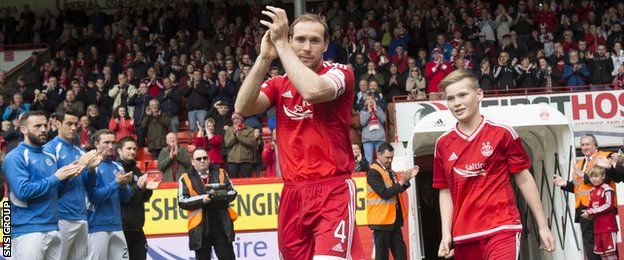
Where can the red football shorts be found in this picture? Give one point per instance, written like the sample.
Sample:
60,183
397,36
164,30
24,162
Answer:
316,219
604,243
503,246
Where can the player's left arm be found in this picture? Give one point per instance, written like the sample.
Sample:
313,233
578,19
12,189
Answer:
529,191
313,88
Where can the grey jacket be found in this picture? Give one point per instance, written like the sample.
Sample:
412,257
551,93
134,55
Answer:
369,133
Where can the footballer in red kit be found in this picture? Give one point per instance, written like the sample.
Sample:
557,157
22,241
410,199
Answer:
316,217
602,211
473,166
471,169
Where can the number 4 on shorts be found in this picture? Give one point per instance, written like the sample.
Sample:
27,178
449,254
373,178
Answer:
340,231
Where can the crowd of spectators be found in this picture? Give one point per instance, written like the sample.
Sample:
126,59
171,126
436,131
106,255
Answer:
144,71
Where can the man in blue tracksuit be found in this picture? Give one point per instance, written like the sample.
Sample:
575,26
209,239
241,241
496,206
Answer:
106,238
72,192
33,179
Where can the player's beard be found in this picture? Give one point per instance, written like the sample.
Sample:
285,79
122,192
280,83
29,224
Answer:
37,140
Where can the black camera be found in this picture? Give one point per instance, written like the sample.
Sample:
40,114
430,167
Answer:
216,191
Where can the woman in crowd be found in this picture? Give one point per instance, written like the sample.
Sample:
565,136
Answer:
121,123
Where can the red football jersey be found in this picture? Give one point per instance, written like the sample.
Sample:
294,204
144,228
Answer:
313,139
476,169
602,208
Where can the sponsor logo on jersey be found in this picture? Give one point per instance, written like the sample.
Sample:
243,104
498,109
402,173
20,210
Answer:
287,94
299,112
486,149
471,170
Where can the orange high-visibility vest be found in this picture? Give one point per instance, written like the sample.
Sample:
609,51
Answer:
195,216
380,211
582,189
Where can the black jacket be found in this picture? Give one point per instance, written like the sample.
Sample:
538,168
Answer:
133,212
374,179
170,103
220,120
215,209
600,70
199,97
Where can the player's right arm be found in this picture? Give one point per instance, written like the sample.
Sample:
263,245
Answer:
20,183
250,100
446,217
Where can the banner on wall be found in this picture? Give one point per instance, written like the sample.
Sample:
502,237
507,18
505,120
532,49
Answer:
251,246
256,206
600,113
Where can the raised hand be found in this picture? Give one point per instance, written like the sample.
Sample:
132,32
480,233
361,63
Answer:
278,27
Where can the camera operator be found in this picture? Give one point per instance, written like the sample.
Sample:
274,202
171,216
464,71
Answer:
210,219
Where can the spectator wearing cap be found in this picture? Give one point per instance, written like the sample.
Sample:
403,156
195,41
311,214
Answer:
435,71
239,141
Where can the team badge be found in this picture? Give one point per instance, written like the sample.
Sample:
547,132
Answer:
486,149
115,171
49,162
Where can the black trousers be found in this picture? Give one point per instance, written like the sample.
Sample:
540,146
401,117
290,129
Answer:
137,244
587,230
389,240
217,239
240,170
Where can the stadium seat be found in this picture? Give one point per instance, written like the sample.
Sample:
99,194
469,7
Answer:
184,126
190,148
184,137
141,165
143,154
152,165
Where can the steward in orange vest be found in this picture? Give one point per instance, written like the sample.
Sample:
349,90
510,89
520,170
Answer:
385,208
210,223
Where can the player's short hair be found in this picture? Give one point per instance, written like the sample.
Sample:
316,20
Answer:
593,138
100,133
385,147
25,116
309,17
60,116
457,76
596,170
125,140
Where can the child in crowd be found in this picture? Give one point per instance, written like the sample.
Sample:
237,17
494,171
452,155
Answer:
602,210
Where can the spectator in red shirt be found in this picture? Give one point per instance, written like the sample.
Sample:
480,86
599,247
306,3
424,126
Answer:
121,123
213,143
435,71
400,59
594,38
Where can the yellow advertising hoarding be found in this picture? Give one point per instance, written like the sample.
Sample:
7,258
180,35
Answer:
256,205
